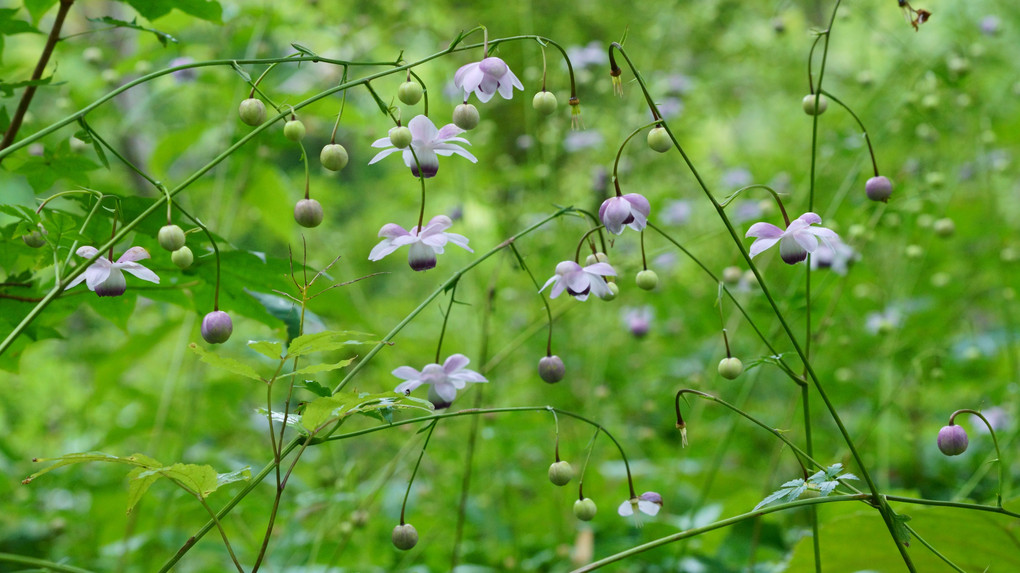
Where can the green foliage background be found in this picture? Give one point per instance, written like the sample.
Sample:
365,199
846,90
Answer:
115,374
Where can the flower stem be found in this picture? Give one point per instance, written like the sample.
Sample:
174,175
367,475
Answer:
995,442
428,436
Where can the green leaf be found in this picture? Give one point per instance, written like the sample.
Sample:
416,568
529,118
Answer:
137,486
322,342
244,75
140,460
341,405
316,388
312,369
304,50
789,491
293,420
37,8
272,350
7,88
163,37
10,26
203,9
243,474
199,480
224,362
322,410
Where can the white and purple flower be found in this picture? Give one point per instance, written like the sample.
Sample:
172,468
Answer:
443,380
425,243
648,503
580,281
799,238
428,144
485,78
105,277
631,210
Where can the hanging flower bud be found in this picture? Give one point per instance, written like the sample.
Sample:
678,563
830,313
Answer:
171,237
730,368
465,116
560,473
405,537
308,213
410,92
294,130
952,440
551,369
252,111
647,279
878,188
217,327
182,257
333,157
585,509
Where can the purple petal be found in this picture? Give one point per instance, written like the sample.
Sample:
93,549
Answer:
406,373
455,362
86,252
638,203
384,248
554,279
392,231
449,132
446,391
604,269
764,231
422,128
810,218
760,245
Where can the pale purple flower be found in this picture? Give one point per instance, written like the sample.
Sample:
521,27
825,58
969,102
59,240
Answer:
425,244
836,256
648,503
676,212
799,238
638,320
485,78
428,144
104,276
631,210
444,380
580,281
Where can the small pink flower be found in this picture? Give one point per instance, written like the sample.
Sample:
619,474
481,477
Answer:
444,380
428,144
579,281
631,210
425,244
799,239
104,277
485,78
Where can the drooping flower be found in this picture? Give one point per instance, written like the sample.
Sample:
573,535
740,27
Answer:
425,244
444,380
835,255
580,281
799,238
648,503
631,210
428,144
485,78
104,277
638,320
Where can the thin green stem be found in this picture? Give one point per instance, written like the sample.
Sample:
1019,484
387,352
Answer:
41,563
931,548
410,482
995,442
545,303
223,533
446,319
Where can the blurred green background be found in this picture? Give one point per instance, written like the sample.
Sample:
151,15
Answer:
922,324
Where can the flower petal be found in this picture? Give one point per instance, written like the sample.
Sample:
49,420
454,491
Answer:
382,154
648,507
764,231
97,273
86,252
626,508
139,271
133,254
810,218
422,128
604,269
406,373
384,248
554,279
760,245
406,388
455,362
392,231
445,390
459,240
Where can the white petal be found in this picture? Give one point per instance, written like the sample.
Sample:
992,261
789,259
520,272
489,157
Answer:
626,508
382,249
139,271
133,254
446,391
764,231
382,154
407,387
97,273
86,252
760,245
406,373
648,507
455,362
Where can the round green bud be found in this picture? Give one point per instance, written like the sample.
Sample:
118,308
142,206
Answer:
465,116
410,92
596,258
808,103
584,509
308,213
34,239
730,368
294,130
952,440
914,251
182,257
551,369
659,140
405,537
333,157
560,473
944,227
647,279
401,136
544,102
252,111
731,275
171,237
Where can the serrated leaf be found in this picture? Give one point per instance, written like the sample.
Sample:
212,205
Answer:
848,476
322,410
900,527
199,480
826,487
137,486
316,388
36,8
818,476
321,342
224,362
312,369
85,457
790,490
293,420
272,350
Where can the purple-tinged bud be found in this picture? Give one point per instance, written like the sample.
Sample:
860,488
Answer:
585,509
405,537
551,369
421,257
878,188
115,285
560,473
465,116
217,327
308,213
952,440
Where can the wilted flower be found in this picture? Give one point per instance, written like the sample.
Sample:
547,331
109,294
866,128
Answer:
104,276
648,503
485,78
580,281
444,379
425,244
428,144
631,210
799,238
